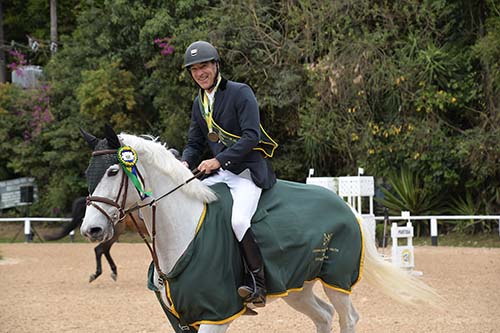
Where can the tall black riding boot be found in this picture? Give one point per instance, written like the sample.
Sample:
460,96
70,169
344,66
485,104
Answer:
254,288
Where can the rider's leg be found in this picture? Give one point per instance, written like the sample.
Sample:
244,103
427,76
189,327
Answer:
246,197
254,288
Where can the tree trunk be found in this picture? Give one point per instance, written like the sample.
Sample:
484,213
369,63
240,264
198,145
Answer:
53,26
3,72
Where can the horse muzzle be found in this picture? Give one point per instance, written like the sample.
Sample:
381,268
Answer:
96,228
97,234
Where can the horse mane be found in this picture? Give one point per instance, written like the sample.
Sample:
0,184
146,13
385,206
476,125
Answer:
156,154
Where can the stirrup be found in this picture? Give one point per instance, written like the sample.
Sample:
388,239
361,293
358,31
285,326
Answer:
256,297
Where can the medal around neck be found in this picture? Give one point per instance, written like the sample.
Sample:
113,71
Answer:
212,136
127,157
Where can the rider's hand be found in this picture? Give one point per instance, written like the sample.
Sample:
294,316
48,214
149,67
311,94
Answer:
208,166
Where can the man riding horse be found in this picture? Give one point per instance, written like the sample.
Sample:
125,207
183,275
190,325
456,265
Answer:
225,115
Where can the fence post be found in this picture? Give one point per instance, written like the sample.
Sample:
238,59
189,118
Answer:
28,236
386,221
434,232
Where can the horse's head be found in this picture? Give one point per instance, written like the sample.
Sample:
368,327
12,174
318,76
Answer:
116,183
107,184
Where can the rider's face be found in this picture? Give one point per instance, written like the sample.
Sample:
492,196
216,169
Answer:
204,74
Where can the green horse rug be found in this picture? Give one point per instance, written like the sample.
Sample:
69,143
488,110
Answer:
305,233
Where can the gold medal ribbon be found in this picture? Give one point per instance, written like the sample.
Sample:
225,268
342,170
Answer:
207,107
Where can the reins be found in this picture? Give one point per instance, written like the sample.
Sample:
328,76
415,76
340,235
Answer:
136,206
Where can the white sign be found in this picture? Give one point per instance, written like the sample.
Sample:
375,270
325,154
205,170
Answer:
10,191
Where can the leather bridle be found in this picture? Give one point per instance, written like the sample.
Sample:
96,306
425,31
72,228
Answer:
122,212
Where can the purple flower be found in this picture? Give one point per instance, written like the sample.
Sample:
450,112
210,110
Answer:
164,45
168,50
26,135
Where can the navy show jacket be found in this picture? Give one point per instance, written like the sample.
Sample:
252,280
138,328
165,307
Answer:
237,112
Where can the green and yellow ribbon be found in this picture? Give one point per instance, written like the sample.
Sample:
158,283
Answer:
127,157
207,107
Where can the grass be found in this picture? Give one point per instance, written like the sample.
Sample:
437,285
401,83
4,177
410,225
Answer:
463,240
488,240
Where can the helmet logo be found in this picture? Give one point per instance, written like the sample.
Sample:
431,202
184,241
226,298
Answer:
194,52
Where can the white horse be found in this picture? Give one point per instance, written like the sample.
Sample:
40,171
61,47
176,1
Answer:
175,223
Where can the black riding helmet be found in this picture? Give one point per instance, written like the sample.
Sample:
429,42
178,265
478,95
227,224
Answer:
198,52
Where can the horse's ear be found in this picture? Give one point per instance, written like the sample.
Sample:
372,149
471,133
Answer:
111,136
91,140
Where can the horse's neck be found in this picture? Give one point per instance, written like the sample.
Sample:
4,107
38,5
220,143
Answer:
177,217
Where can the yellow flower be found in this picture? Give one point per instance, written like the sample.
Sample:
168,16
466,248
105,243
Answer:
354,137
416,156
371,151
395,130
453,100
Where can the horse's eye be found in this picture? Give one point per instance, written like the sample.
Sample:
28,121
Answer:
112,172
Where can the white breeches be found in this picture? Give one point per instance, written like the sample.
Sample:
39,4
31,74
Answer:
245,195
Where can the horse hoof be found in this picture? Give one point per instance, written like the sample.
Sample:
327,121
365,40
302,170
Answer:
114,276
92,278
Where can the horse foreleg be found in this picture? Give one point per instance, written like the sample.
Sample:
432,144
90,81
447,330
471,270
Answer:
348,317
112,265
205,328
306,302
98,254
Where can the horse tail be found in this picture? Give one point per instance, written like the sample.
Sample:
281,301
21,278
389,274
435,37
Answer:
392,280
77,214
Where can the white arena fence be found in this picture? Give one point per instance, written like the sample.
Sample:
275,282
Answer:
358,189
434,218
29,229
